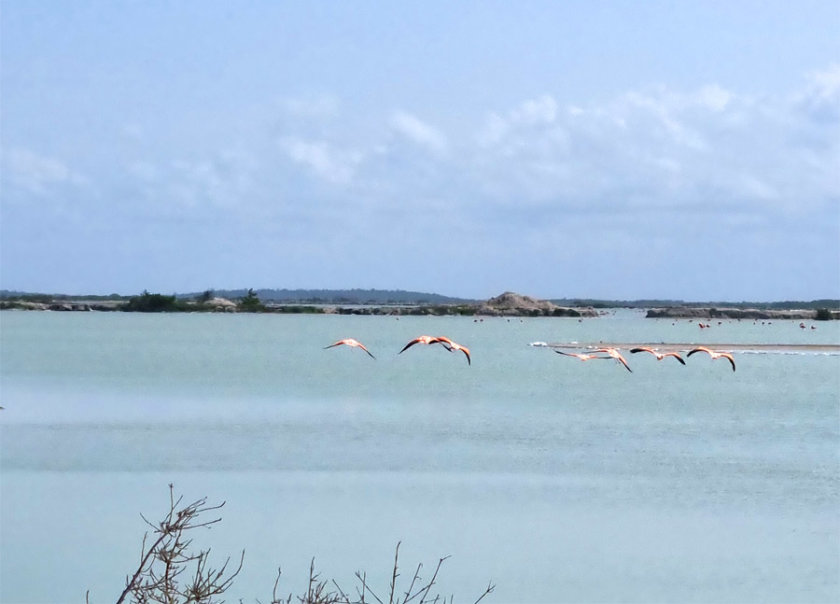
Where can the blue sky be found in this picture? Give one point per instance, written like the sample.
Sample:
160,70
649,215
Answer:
686,150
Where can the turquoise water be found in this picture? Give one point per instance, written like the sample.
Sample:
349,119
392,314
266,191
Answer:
558,480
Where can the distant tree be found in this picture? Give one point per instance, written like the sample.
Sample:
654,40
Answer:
823,314
42,298
251,302
147,302
206,296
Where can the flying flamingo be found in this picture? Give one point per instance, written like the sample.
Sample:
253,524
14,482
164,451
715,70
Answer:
421,340
659,355
351,342
453,346
580,355
613,352
714,355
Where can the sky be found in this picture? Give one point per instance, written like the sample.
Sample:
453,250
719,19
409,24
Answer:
607,149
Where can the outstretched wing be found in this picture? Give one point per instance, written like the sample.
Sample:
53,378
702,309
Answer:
699,349
729,358
362,346
410,344
621,360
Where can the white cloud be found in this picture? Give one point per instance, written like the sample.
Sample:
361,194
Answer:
495,128
37,173
665,148
821,96
714,97
542,110
323,159
417,131
537,113
661,110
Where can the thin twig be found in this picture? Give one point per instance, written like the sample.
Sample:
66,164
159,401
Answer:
414,579
432,581
395,574
489,590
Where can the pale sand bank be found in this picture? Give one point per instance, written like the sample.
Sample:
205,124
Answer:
684,346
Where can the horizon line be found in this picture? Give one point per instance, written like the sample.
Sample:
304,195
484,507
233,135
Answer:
4,292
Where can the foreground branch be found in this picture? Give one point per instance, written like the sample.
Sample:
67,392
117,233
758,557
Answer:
163,564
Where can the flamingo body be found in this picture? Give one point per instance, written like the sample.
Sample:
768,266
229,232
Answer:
613,352
443,341
659,355
453,346
420,340
714,355
580,355
351,342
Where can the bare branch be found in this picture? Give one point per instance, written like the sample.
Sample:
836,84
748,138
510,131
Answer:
156,579
426,591
414,579
488,591
394,575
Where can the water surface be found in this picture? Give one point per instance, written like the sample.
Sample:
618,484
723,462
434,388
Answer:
557,480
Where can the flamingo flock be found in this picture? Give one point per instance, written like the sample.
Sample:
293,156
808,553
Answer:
597,354
447,343
615,354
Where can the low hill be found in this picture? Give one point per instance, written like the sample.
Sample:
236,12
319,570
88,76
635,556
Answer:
336,296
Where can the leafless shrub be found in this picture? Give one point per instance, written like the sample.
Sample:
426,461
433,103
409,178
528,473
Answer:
162,577
158,577
418,591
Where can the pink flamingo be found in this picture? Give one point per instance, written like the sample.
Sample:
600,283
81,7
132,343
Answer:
613,352
714,355
421,340
580,355
351,342
659,355
453,346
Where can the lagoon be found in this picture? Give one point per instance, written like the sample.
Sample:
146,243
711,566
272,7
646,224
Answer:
558,480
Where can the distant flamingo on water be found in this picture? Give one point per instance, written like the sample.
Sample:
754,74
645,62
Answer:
613,352
659,355
351,342
714,355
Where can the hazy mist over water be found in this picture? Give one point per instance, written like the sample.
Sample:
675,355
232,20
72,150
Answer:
558,480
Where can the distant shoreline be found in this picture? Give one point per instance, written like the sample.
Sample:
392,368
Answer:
508,304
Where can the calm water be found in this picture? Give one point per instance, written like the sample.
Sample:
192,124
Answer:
558,480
